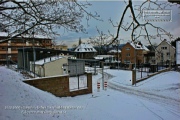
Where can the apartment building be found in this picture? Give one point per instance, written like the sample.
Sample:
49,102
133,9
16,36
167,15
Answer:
133,53
9,46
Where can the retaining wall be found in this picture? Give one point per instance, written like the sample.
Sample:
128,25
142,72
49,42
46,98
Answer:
59,85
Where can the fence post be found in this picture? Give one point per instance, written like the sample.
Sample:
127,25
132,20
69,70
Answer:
105,85
133,77
98,86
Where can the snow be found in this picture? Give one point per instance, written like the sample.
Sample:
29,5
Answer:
46,60
123,77
3,34
85,47
100,57
167,84
137,46
20,101
114,51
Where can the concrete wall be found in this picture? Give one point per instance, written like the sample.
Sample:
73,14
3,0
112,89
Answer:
55,67
52,68
59,85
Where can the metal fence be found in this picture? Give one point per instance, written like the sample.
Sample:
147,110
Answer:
143,71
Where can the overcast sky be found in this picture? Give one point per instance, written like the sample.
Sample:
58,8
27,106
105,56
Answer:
113,10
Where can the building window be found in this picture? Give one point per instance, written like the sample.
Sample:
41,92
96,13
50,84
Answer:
127,61
14,48
161,55
127,48
128,54
164,48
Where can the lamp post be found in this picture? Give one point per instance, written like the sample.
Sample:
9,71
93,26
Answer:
118,53
169,56
134,71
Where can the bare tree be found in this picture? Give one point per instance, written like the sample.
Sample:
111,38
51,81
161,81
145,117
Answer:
138,27
43,16
100,41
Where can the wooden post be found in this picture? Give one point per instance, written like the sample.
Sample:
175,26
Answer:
133,77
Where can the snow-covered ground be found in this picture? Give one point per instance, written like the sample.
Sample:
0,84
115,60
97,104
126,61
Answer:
20,101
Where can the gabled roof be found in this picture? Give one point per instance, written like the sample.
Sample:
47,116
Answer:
85,47
167,42
139,46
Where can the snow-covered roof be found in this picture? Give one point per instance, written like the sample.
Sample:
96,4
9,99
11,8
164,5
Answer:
49,59
5,34
100,57
114,51
168,42
85,47
139,46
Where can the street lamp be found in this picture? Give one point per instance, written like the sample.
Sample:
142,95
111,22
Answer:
134,71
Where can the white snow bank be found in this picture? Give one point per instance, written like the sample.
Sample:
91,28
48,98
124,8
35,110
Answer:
34,104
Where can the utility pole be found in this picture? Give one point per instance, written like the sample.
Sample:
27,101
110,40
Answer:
34,54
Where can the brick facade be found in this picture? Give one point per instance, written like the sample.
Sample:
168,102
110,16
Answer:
128,54
59,85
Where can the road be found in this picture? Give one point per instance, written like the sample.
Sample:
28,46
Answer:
152,96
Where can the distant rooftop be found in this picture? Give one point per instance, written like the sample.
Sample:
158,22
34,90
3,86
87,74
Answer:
114,51
100,57
85,47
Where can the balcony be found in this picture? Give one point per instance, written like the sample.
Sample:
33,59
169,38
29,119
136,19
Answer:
6,52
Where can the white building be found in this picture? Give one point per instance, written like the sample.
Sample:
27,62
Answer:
85,51
56,65
165,52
